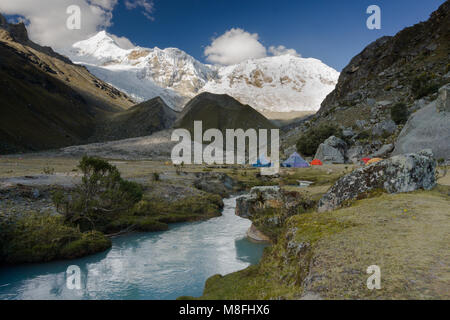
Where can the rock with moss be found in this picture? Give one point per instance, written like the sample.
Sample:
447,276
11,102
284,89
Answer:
269,207
403,173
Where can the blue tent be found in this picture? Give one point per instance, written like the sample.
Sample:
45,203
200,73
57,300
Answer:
295,161
262,162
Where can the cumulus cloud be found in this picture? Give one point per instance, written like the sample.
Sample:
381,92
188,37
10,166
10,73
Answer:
146,5
237,45
234,46
282,50
47,19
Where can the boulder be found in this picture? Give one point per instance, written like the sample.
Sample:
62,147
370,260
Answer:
387,126
426,128
383,151
443,101
403,173
361,124
269,207
355,153
348,133
332,151
257,198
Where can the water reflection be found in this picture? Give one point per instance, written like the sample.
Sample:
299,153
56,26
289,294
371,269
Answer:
162,265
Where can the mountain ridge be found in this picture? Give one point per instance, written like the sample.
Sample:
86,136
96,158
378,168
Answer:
279,83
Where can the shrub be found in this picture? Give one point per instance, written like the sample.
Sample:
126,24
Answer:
399,113
39,237
424,85
100,197
311,139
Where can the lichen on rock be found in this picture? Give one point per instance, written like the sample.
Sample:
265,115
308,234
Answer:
403,173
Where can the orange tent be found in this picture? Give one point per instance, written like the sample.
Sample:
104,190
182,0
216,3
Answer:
374,160
316,162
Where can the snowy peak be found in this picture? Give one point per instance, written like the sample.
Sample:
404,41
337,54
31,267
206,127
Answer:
280,83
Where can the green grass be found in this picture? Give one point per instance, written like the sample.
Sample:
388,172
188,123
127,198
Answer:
405,234
39,237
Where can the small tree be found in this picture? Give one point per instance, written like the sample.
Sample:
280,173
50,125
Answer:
311,139
101,195
399,113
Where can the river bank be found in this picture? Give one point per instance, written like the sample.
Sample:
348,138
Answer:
160,265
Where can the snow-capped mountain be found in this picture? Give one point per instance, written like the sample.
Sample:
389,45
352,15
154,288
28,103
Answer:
281,83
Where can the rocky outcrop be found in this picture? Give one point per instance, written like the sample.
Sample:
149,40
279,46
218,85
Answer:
428,128
387,68
384,127
269,207
216,183
403,173
332,151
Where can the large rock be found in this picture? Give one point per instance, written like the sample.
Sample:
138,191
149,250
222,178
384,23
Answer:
427,128
383,151
404,173
332,151
443,101
387,126
269,207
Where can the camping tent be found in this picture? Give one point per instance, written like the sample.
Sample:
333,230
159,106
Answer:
316,162
295,161
374,160
262,162
365,160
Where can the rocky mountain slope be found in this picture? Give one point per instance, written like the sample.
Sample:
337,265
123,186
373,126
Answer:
384,85
141,120
282,83
46,101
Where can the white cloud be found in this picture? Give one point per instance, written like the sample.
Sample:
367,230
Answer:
237,45
146,5
123,42
282,50
47,18
234,46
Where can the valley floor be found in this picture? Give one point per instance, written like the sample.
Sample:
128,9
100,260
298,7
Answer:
406,235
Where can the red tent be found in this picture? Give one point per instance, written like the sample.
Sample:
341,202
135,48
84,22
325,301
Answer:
365,160
316,162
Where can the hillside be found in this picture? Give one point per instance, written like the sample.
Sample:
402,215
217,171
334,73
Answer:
141,120
221,112
384,85
47,102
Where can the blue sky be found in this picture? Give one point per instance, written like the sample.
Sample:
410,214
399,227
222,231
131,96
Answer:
332,31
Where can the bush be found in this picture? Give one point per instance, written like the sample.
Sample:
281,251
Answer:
399,113
309,142
38,237
424,85
100,198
